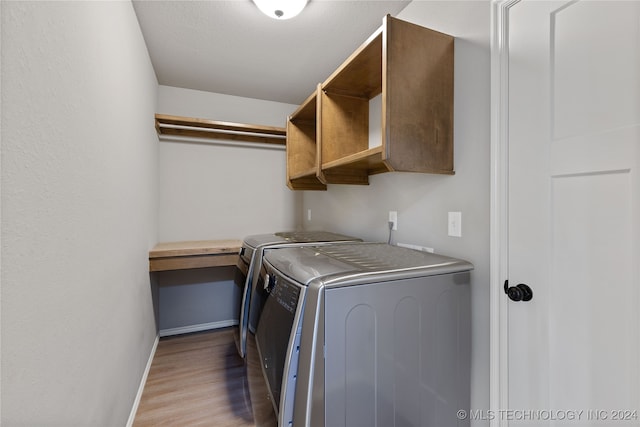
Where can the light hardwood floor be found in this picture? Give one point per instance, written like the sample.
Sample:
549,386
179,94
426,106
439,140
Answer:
196,380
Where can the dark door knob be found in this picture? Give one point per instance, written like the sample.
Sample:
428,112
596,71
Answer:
519,292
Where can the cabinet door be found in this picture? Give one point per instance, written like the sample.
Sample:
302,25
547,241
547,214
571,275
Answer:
417,93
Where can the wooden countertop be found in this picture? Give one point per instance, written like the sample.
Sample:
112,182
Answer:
194,254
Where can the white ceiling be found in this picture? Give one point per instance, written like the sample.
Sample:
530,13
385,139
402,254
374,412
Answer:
230,47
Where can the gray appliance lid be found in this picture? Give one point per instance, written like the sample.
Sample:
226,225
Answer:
314,236
260,240
338,264
303,266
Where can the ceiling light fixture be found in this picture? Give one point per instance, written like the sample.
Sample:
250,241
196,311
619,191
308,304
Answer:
281,9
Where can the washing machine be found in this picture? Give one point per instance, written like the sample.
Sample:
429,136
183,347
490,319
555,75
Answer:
250,260
365,334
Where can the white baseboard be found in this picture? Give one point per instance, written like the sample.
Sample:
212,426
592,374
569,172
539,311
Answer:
143,381
197,328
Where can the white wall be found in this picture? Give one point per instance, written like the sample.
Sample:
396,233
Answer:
422,201
79,198
214,191
217,191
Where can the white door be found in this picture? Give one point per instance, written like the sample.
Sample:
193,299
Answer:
570,170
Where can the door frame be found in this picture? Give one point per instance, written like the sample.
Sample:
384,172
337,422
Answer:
499,231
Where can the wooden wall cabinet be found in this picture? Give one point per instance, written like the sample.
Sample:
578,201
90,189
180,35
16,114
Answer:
411,67
303,166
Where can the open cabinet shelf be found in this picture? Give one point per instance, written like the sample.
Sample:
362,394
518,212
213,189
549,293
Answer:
360,75
411,68
302,147
368,160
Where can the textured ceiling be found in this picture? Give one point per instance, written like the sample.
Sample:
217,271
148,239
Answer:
230,47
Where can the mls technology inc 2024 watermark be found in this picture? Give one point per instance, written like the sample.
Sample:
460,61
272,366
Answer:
622,415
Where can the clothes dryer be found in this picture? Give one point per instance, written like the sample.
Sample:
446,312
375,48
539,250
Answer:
365,334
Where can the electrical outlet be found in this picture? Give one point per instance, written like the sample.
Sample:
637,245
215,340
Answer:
455,224
393,217
308,214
